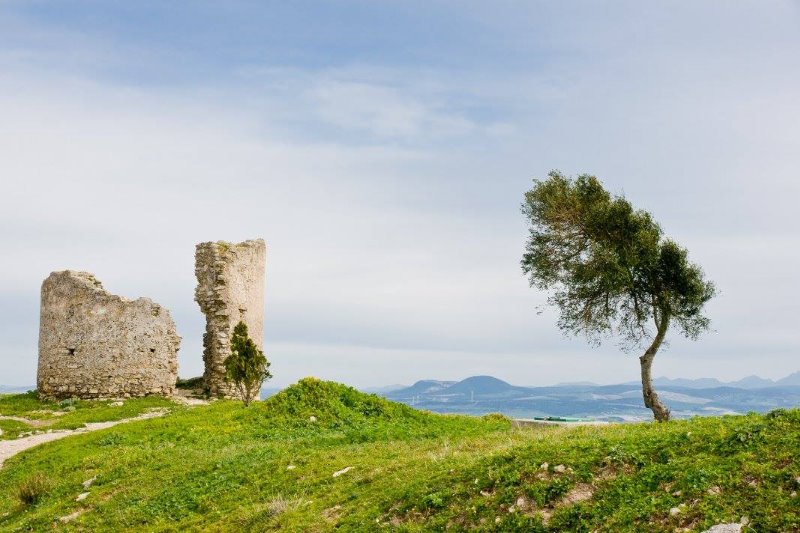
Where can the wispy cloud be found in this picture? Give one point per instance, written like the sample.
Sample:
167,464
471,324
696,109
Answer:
387,186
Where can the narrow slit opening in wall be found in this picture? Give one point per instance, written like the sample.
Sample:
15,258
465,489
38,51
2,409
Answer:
70,351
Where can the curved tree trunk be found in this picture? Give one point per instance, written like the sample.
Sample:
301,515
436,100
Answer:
651,399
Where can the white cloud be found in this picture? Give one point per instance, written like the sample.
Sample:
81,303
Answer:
389,197
385,112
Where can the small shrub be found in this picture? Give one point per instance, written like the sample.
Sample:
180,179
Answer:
742,438
432,501
496,417
33,489
190,384
556,489
112,439
246,367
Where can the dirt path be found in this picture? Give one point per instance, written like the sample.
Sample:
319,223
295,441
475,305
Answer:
10,448
30,421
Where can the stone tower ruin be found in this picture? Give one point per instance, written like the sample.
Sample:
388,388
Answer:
230,288
93,344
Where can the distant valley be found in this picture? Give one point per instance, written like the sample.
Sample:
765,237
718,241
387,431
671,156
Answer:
623,402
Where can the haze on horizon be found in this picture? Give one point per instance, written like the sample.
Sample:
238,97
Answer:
382,151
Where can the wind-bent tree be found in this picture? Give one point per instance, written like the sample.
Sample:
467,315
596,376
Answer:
610,271
246,367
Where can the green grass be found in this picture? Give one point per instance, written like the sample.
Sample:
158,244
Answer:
67,414
223,467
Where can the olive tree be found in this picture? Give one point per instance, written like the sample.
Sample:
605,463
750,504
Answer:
610,271
246,367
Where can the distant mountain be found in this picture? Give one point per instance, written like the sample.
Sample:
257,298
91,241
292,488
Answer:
686,397
425,386
16,388
577,384
749,382
752,382
267,392
792,380
481,385
700,383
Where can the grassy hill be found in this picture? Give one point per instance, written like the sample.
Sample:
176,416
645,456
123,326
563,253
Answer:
321,456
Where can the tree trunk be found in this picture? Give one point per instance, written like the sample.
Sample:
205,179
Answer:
651,399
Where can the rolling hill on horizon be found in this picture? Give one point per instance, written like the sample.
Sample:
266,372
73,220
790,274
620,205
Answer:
478,395
621,402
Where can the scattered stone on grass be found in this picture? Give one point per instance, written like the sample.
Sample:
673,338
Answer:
342,471
71,516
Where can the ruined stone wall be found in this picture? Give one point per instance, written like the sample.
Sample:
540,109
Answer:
230,288
93,344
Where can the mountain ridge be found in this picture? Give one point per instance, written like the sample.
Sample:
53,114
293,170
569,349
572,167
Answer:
479,395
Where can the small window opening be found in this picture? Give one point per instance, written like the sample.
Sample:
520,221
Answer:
71,351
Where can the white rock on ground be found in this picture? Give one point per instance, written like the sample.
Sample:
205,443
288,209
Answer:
725,528
342,471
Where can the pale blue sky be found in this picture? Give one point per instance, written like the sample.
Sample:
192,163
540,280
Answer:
382,149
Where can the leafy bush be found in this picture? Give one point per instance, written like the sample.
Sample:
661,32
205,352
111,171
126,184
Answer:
334,404
246,367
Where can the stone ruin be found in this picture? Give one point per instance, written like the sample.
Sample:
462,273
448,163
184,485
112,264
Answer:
93,344
230,288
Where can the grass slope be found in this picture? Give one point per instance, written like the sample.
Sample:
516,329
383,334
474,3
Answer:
67,414
224,467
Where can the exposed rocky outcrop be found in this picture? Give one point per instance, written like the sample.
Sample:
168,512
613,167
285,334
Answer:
93,344
230,288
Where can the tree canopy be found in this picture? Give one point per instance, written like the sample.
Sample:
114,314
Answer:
609,269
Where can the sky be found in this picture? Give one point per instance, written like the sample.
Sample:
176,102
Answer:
382,150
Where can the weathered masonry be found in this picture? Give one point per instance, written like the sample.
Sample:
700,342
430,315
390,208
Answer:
93,344
230,288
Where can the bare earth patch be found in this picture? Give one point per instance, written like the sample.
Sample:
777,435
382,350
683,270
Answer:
580,493
188,397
